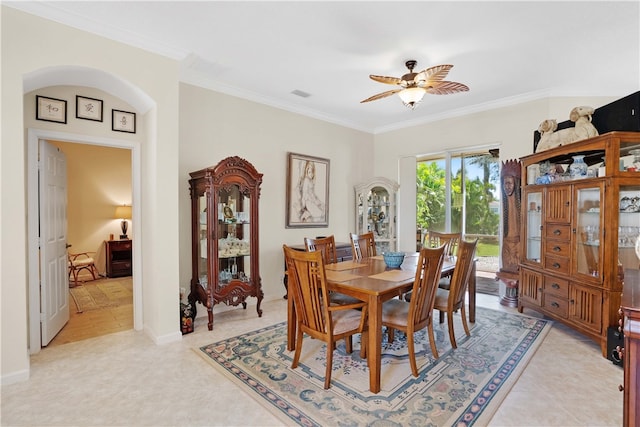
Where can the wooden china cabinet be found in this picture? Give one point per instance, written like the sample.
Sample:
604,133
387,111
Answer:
224,233
578,231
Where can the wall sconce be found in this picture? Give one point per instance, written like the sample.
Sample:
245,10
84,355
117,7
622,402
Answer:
124,213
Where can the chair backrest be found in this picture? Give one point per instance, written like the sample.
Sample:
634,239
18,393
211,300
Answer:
363,245
461,273
307,285
324,245
449,240
425,286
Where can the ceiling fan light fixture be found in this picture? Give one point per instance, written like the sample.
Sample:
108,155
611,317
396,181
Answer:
412,96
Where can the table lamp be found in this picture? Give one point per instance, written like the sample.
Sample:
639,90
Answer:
124,213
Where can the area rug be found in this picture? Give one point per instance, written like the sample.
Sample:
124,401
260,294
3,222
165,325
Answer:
102,294
463,387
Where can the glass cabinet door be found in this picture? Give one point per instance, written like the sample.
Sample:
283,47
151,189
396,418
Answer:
202,246
629,226
533,238
378,215
588,231
233,236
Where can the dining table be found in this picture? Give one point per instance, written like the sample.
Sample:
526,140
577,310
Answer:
370,280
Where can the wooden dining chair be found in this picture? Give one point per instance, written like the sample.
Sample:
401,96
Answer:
451,300
363,245
413,316
327,247
316,318
450,241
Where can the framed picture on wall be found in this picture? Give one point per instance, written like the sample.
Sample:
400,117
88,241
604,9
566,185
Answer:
307,191
51,109
88,108
123,121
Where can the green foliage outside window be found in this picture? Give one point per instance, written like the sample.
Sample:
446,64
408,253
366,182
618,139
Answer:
479,195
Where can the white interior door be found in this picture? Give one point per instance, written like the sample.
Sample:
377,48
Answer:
54,277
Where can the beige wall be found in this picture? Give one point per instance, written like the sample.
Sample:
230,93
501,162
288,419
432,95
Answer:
31,44
214,126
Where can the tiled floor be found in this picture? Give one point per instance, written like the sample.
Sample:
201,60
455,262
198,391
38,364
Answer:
125,379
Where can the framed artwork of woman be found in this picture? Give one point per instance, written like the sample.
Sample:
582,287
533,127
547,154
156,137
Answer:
307,191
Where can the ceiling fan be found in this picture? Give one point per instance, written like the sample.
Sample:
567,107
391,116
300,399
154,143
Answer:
413,86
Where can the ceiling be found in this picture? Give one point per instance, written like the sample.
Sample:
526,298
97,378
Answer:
507,52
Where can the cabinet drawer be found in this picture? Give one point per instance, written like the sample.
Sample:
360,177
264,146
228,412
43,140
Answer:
557,248
120,269
120,245
557,305
555,286
556,264
558,231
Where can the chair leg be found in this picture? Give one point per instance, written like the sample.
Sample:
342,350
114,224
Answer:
464,320
391,334
296,355
412,353
432,340
74,273
363,345
327,374
452,335
94,271
348,344
441,316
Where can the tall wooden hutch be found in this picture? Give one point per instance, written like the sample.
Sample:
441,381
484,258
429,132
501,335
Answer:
224,233
578,234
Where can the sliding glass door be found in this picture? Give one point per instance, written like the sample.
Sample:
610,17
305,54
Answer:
459,192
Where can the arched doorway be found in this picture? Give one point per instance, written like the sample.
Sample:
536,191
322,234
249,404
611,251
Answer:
143,104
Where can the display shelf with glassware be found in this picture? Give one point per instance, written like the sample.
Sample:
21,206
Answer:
376,211
579,229
224,211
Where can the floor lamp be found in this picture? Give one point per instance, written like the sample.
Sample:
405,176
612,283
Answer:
124,213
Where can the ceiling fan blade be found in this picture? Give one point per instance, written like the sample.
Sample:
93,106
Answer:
385,79
435,74
381,95
446,88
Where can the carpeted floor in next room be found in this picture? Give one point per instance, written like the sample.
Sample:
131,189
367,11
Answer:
126,379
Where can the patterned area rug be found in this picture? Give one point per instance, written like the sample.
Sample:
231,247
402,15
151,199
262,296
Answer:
102,294
463,387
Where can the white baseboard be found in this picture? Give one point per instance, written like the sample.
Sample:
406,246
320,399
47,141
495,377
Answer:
15,377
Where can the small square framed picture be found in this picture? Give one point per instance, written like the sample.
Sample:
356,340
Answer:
123,121
88,108
51,109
